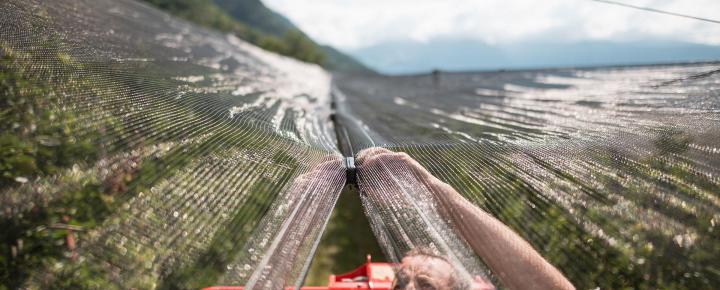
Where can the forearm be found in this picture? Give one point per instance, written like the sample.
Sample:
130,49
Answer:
509,256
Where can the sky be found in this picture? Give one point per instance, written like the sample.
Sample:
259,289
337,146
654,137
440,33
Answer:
355,24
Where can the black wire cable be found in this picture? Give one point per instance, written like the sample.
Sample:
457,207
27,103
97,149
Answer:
658,11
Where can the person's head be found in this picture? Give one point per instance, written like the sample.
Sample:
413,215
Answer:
421,269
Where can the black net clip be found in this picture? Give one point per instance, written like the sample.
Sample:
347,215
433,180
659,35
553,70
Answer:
350,170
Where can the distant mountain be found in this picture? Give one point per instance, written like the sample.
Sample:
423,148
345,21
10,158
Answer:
453,54
339,61
256,15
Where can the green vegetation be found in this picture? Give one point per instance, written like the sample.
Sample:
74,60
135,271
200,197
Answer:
346,241
55,149
628,253
38,140
205,13
252,21
255,14
72,156
75,148
35,136
228,243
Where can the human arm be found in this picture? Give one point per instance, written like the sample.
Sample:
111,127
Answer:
511,258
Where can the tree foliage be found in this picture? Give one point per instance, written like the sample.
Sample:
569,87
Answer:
206,13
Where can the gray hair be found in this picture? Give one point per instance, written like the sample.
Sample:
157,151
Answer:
458,283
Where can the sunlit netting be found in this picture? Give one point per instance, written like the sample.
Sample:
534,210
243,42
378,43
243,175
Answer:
143,152
612,174
403,216
139,151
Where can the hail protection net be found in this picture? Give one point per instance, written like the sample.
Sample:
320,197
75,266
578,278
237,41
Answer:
139,151
612,174
173,157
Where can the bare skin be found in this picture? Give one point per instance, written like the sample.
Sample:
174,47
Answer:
510,257
423,273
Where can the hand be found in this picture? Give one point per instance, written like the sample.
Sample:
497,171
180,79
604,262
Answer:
321,178
329,166
383,163
510,257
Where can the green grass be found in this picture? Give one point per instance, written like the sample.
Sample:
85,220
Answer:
346,241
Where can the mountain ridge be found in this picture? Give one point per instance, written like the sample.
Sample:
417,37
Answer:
403,57
255,14
253,22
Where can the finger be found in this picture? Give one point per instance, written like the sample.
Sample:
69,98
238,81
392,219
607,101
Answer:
391,161
376,162
331,157
374,172
369,152
330,164
412,164
326,169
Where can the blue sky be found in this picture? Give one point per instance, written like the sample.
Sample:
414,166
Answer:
367,29
353,24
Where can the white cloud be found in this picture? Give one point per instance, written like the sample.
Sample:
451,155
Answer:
352,24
